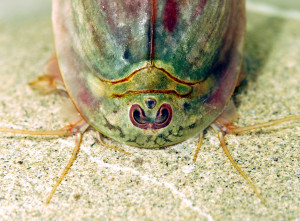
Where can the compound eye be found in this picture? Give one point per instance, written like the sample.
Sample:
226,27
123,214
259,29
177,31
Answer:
163,116
137,116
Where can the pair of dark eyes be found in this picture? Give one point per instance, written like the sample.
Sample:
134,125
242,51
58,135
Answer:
161,115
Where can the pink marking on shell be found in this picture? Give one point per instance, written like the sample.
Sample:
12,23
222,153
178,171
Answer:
85,96
200,8
170,15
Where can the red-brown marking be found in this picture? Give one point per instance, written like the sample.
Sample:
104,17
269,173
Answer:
152,31
153,66
200,8
149,91
170,15
202,4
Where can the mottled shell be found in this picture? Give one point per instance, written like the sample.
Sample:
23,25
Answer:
149,73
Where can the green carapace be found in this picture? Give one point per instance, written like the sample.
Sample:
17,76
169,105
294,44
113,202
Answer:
149,73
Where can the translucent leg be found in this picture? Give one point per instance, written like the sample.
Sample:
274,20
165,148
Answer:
77,128
101,140
221,129
234,164
67,168
44,84
200,140
51,80
236,130
61,132
72,128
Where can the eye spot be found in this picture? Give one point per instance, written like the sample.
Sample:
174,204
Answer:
192,126
186,107
126,54
150,103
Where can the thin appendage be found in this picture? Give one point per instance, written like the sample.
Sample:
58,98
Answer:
67,168
101,140
227,152
45,84
51,80
262,125
72,128
33,132
200,140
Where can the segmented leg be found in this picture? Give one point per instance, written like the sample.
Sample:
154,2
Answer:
101,140
222,130
233,163
51,79
61,132
67,168
47,83
200,140
236,130
78,128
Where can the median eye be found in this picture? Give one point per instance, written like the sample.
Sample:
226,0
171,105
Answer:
126,54
150,103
